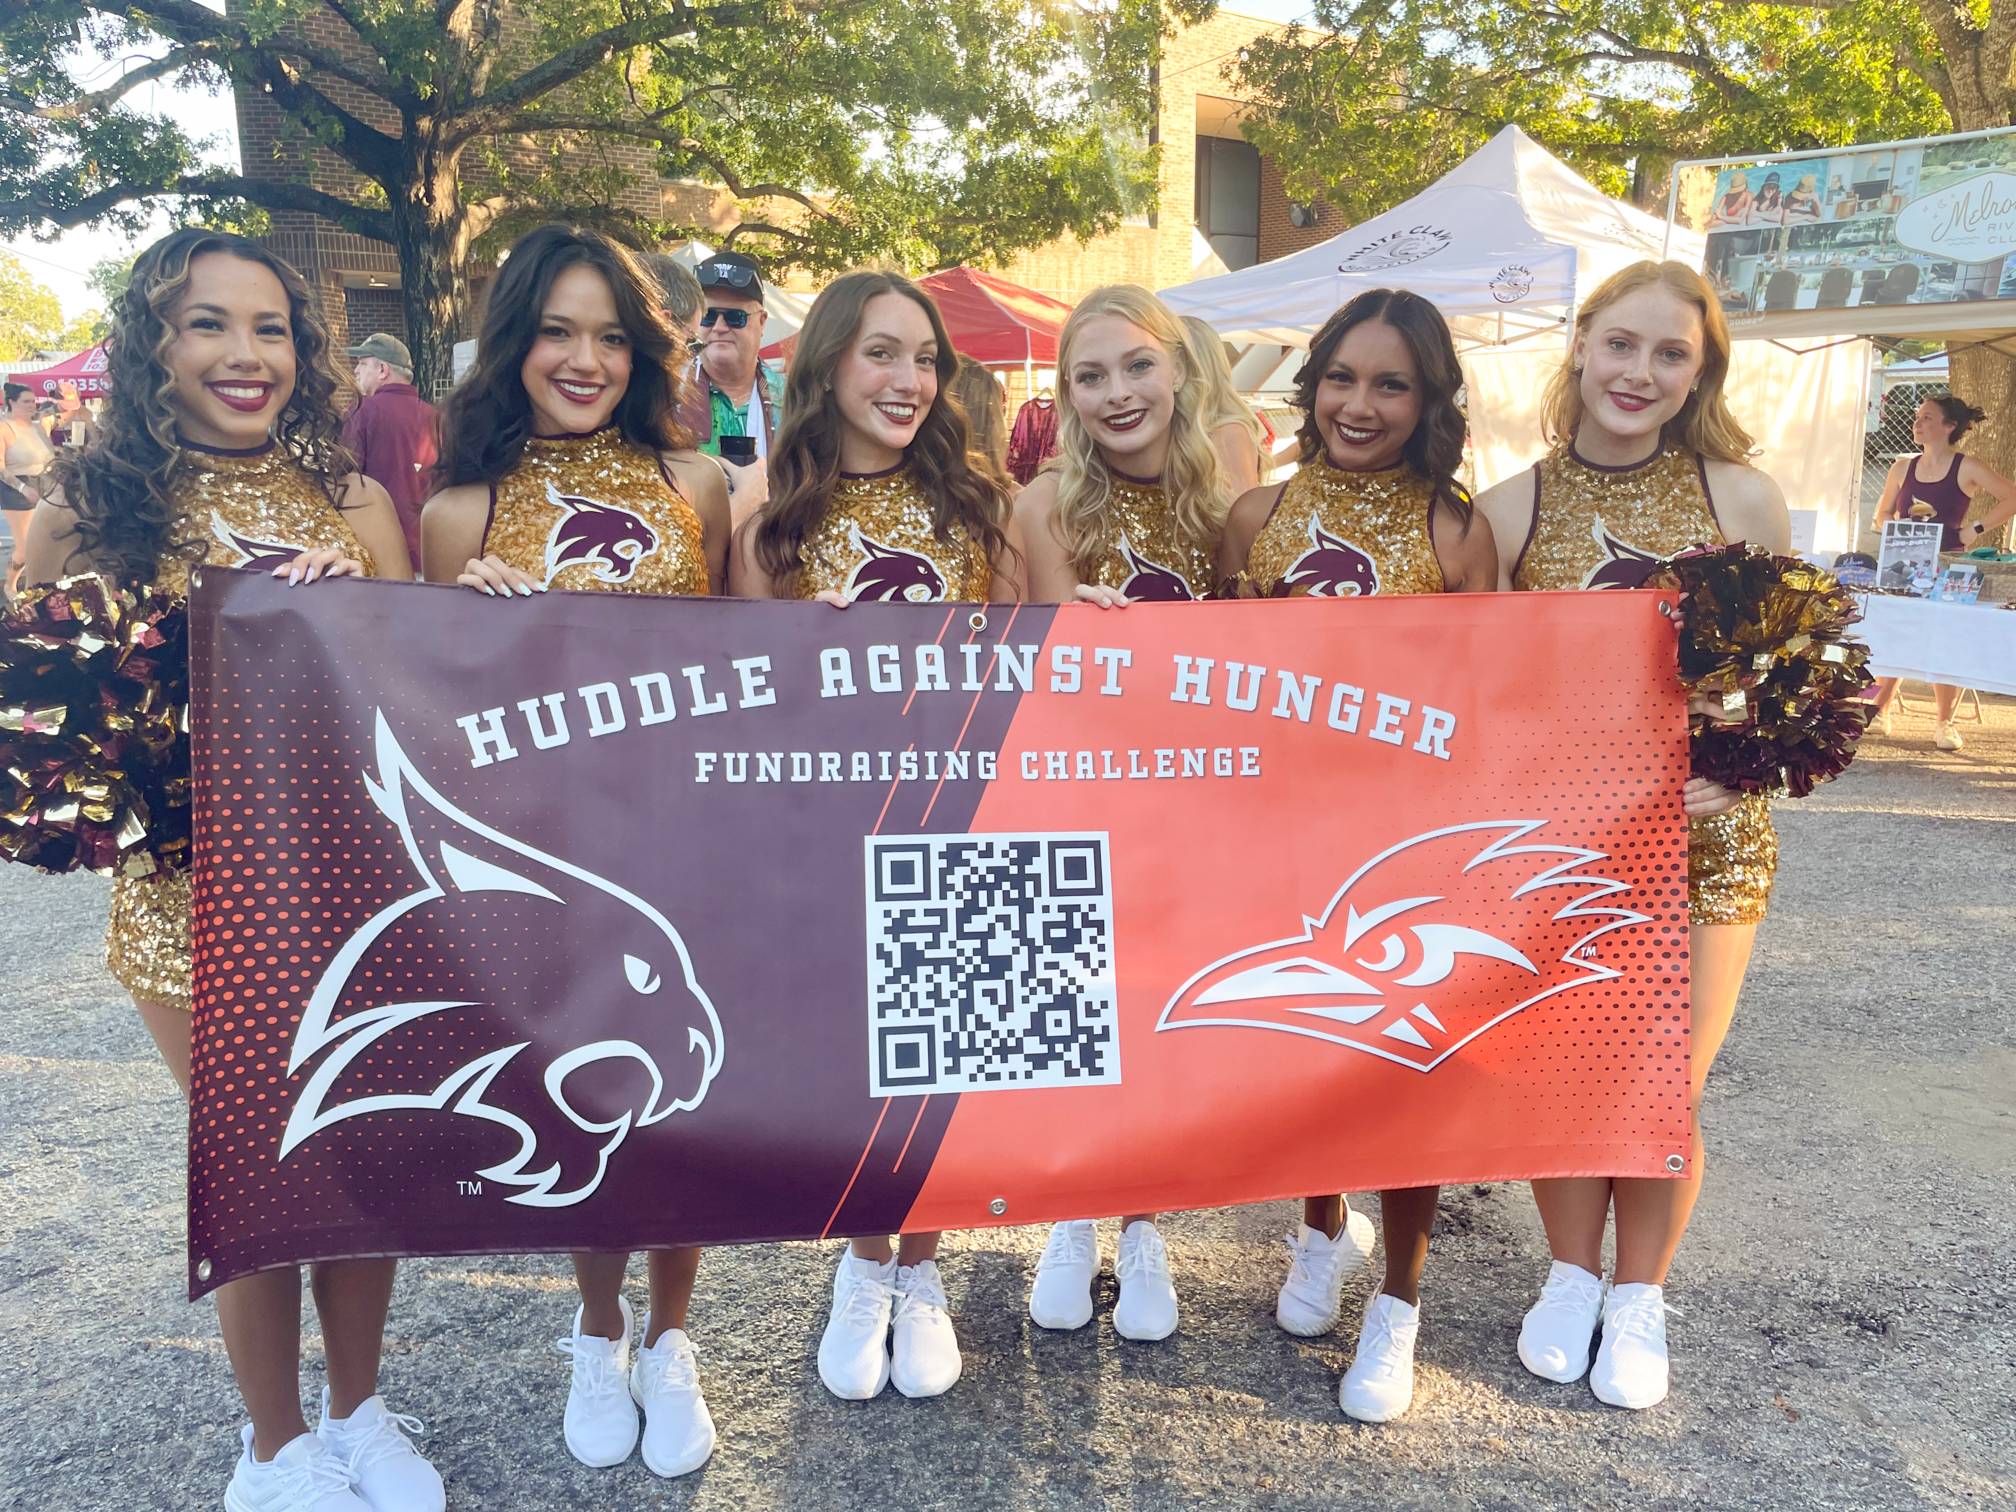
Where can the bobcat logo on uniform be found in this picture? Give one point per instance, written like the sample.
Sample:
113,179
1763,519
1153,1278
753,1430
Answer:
1426,946
606,537
1149,581
253,555
1623,565
363,1048
888,574
1331,568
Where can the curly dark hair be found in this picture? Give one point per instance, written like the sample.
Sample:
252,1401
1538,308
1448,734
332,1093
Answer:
488,418
1435,450
1959,414
805,457
120,488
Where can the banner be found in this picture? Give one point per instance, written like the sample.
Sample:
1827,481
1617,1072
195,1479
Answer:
596,921
1929,222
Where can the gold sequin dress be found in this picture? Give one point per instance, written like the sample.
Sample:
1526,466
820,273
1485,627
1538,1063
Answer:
1149,559
1604,527
876,542
257,509
596,512
1338,534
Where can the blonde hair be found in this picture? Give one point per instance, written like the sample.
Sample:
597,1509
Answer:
1221,402
1704,424
1191,477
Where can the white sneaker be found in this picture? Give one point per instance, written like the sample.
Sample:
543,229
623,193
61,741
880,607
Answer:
1313,1295
1147,1306
854,1350
665,1382
927,1359
1883,724
388,1472
601,1420
1555,1338
1948,738
303,1477
1379,1386
1061,1295
1630,1368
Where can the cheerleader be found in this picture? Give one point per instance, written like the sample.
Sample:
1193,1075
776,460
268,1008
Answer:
219,445
874,494
1130,509
1647,460
1374,508
563,467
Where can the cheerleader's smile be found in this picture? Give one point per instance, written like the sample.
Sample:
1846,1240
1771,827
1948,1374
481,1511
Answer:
1368,400
232,359
578,368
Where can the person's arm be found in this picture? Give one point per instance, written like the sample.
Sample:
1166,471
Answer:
1750,506
452,526
1011,568
747,577
1507,507
1238,457
1978,477
1050,577
698,478
1249,516
359,438
1468,557
368,510
1893,485
52,551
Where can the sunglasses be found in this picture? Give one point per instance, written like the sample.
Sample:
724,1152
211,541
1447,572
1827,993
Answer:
733,319
733,274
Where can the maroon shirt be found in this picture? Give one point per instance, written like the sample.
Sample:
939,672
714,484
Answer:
391,433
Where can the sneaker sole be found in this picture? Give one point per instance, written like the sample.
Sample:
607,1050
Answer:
881,1381
1139,1337
918,1394
1306,1331
1061,1325
1547,1375
599,1464
1382,1416
1597,1393
686,1467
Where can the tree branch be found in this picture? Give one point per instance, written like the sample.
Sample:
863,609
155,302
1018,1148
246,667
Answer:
679,141
75,110
360,219
186,22
763,228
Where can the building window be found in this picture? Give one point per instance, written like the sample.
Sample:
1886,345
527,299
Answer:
1228,199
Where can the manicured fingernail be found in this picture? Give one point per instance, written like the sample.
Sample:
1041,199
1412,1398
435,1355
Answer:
314,573
488,589
525,590
294,577
542,587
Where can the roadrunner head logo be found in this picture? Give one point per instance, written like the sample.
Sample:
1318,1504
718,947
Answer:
1149,581
1512,283
1331,568
362,1048
606,537
253,555
1623,565
1426,946
888,573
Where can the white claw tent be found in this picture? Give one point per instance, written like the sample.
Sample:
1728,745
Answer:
1504,245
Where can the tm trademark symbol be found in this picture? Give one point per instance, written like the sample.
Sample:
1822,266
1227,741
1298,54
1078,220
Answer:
1587,952
469,1188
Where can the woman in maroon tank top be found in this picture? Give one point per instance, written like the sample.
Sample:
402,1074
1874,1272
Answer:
1943,481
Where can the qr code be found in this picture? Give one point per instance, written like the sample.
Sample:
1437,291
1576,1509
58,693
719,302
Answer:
990,963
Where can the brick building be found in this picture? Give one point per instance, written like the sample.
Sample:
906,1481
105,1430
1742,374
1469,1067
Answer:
1218,198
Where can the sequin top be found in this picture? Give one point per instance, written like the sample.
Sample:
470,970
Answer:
256,509
1605,527
1338,534
1149,558
876,542
596,512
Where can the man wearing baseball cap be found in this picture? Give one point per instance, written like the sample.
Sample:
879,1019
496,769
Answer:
392,433
743,391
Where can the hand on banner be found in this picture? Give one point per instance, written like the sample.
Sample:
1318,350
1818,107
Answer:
323,561
831,596
1704,799
1105,598
498,578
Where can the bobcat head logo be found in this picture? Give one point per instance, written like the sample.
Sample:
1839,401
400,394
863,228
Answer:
255,556
1331,568
886,574
606,537
1149,581
1623,565
363,1049
1426,946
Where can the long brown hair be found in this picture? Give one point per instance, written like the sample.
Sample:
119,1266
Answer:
488,418
986,411
120,488
1704,424
805,457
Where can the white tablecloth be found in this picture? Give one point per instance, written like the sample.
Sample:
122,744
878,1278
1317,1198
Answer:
1949,643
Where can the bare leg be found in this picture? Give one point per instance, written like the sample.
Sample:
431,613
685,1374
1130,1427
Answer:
1137,1218
1886,689
1651,1214
1947,698
17,557
1575,1210
878,1249
352,1298
1408,1217
917,1248
600,1279
1324,1214
170,1029
672,1273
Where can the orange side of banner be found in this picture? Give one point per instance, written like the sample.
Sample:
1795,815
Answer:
1553,824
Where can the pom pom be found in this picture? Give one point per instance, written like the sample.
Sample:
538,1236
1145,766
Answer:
94,730
1767,635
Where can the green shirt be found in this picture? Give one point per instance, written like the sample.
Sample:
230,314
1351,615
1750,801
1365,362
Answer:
731,419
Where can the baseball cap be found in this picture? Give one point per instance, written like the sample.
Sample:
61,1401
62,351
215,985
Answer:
734,271
387,349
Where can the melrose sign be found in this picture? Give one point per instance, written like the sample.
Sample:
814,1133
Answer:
1975,220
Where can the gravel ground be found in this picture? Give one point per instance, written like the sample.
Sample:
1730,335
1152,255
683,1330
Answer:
1841,1337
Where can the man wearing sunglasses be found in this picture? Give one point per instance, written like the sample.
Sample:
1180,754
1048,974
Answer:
743,390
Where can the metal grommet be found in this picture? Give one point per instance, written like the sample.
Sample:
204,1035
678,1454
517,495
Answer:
202,1270
195,577
1666,608
1000,1204
977,619
1676,1163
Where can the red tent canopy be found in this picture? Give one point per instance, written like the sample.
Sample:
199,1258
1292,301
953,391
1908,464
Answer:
86,370
992,321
